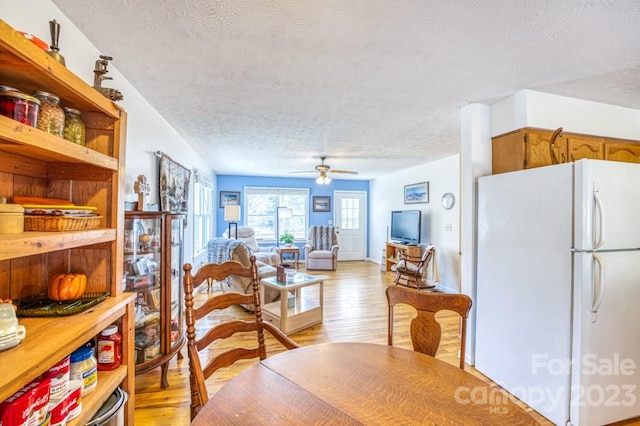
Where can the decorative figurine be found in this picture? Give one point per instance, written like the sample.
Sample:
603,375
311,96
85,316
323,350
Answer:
54,27
100,71
142,188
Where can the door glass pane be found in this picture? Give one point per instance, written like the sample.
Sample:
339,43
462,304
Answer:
350,213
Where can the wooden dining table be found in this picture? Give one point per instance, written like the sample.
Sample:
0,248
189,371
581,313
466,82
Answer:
355,384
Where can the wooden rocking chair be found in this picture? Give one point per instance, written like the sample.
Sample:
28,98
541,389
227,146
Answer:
411,270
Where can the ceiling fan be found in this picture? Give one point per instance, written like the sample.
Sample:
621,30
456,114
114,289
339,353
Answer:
323,169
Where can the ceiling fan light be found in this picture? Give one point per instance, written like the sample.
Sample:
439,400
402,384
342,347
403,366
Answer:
323,179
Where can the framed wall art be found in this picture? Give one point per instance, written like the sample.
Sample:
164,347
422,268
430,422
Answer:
416,193
174,186
229,198
321,204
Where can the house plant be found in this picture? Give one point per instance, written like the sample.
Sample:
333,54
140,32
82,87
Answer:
287,238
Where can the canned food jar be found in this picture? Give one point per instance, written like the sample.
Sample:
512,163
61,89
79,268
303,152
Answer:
84,368
74,130
20,107
59,376
51,115
109,348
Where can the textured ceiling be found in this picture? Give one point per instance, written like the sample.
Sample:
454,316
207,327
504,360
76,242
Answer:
265,87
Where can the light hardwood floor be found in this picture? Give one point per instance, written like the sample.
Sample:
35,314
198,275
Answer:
354,310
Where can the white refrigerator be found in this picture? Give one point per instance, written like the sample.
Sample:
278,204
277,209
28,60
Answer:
558,289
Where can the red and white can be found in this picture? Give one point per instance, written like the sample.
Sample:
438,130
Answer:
59,376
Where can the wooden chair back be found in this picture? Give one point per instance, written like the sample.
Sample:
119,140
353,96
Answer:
426,331
222,330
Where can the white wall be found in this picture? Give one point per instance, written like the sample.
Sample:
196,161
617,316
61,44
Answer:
147,131
475,143
529,108
387,194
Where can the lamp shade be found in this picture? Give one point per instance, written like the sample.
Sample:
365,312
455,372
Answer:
231,213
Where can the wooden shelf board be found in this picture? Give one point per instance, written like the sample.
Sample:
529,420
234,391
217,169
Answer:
20,139
31,243
48,340
29,68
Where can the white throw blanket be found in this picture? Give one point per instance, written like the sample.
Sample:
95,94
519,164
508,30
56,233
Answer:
220,250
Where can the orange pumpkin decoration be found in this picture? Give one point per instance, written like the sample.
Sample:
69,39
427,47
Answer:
67,286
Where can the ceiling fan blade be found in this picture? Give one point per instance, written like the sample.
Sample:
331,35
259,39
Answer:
303,171
343,171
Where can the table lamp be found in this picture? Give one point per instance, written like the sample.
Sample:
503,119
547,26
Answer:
232,215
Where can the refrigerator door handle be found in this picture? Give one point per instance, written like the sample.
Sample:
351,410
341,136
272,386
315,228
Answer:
598,219
597,286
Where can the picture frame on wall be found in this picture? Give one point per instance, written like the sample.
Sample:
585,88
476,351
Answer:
416,193
321,204
229,198
174,186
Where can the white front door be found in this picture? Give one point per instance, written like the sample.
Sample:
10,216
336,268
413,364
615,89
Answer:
350,218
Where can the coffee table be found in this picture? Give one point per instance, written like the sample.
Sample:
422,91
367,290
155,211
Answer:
300,304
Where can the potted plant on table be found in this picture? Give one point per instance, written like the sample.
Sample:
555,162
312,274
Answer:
287,238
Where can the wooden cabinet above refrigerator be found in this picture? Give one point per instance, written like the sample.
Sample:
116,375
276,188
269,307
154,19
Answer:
528,148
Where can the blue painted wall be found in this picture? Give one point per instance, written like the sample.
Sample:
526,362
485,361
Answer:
237,184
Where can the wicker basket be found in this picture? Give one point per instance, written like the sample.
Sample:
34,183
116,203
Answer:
60,223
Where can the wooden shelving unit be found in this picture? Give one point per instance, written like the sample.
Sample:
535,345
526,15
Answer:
394,252
35,163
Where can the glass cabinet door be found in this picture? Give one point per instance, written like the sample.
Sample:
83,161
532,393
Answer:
143,275
153,257
177,234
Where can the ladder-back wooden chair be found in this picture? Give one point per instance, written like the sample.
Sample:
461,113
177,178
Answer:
411,270
425,329
223,330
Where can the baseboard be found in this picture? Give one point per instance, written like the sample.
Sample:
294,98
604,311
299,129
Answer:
442,289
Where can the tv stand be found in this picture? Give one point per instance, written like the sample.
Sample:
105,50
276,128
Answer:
395,250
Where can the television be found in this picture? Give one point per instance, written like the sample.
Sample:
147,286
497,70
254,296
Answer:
405,226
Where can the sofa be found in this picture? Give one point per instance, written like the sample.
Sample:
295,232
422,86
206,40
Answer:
265,255
321,249
223,249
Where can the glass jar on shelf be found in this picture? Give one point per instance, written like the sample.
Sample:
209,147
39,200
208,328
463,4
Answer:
51,114
74,130
19,106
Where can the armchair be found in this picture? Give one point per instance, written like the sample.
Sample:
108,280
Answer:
223,249
321,249
264,255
